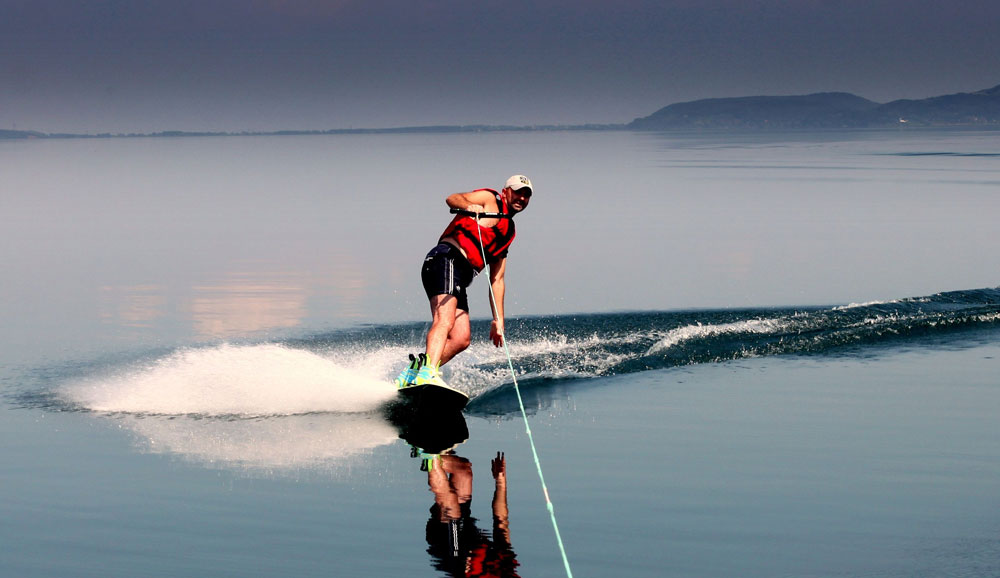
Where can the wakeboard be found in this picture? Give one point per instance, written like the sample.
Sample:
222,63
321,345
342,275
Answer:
429,417
434,398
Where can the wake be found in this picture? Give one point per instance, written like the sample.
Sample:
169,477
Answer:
351,372
232,380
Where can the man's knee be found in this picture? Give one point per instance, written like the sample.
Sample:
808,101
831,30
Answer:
458,341
443,323
461,333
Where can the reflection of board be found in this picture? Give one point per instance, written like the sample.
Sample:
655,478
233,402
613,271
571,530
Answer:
435,434
434,398
429,417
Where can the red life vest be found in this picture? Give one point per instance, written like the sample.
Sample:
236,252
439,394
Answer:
496,239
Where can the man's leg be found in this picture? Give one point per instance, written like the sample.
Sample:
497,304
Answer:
458,338
450,333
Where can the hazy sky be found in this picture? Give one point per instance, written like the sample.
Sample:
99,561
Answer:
149,65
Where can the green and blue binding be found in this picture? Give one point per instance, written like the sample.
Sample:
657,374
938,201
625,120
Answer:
429,375
422,386
409,375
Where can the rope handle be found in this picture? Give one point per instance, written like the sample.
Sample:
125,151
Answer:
481,215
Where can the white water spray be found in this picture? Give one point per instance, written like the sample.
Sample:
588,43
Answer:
254,380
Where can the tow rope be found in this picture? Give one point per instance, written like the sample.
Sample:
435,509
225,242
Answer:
520,402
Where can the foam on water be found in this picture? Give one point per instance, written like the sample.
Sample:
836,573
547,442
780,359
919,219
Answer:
483,368
248,407
273,443
698,331
252,380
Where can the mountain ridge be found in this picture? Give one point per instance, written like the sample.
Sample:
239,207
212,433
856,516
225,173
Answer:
821,110
826,110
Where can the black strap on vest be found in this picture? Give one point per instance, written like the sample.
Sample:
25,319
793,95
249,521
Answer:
482,215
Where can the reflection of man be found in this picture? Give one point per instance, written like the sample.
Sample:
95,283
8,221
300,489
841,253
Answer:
459,548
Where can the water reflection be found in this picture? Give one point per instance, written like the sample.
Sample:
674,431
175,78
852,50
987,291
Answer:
240,304
133,306
249,301
246,304
272,445
457,546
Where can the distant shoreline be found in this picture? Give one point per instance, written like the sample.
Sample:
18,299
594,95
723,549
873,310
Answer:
8,135
437,129
819,112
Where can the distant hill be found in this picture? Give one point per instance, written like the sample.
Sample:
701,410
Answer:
825,110
972,108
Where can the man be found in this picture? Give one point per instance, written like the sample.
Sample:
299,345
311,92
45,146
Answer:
450,267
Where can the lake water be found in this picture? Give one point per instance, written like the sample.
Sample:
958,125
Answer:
741,354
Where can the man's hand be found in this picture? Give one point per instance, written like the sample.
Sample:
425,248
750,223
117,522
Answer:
496,332
499,466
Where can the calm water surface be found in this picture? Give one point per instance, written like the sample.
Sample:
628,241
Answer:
198,334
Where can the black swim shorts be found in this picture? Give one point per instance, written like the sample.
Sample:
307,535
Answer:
447,272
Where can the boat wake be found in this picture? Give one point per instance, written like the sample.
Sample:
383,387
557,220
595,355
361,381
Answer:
316,400
351,371
232,380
